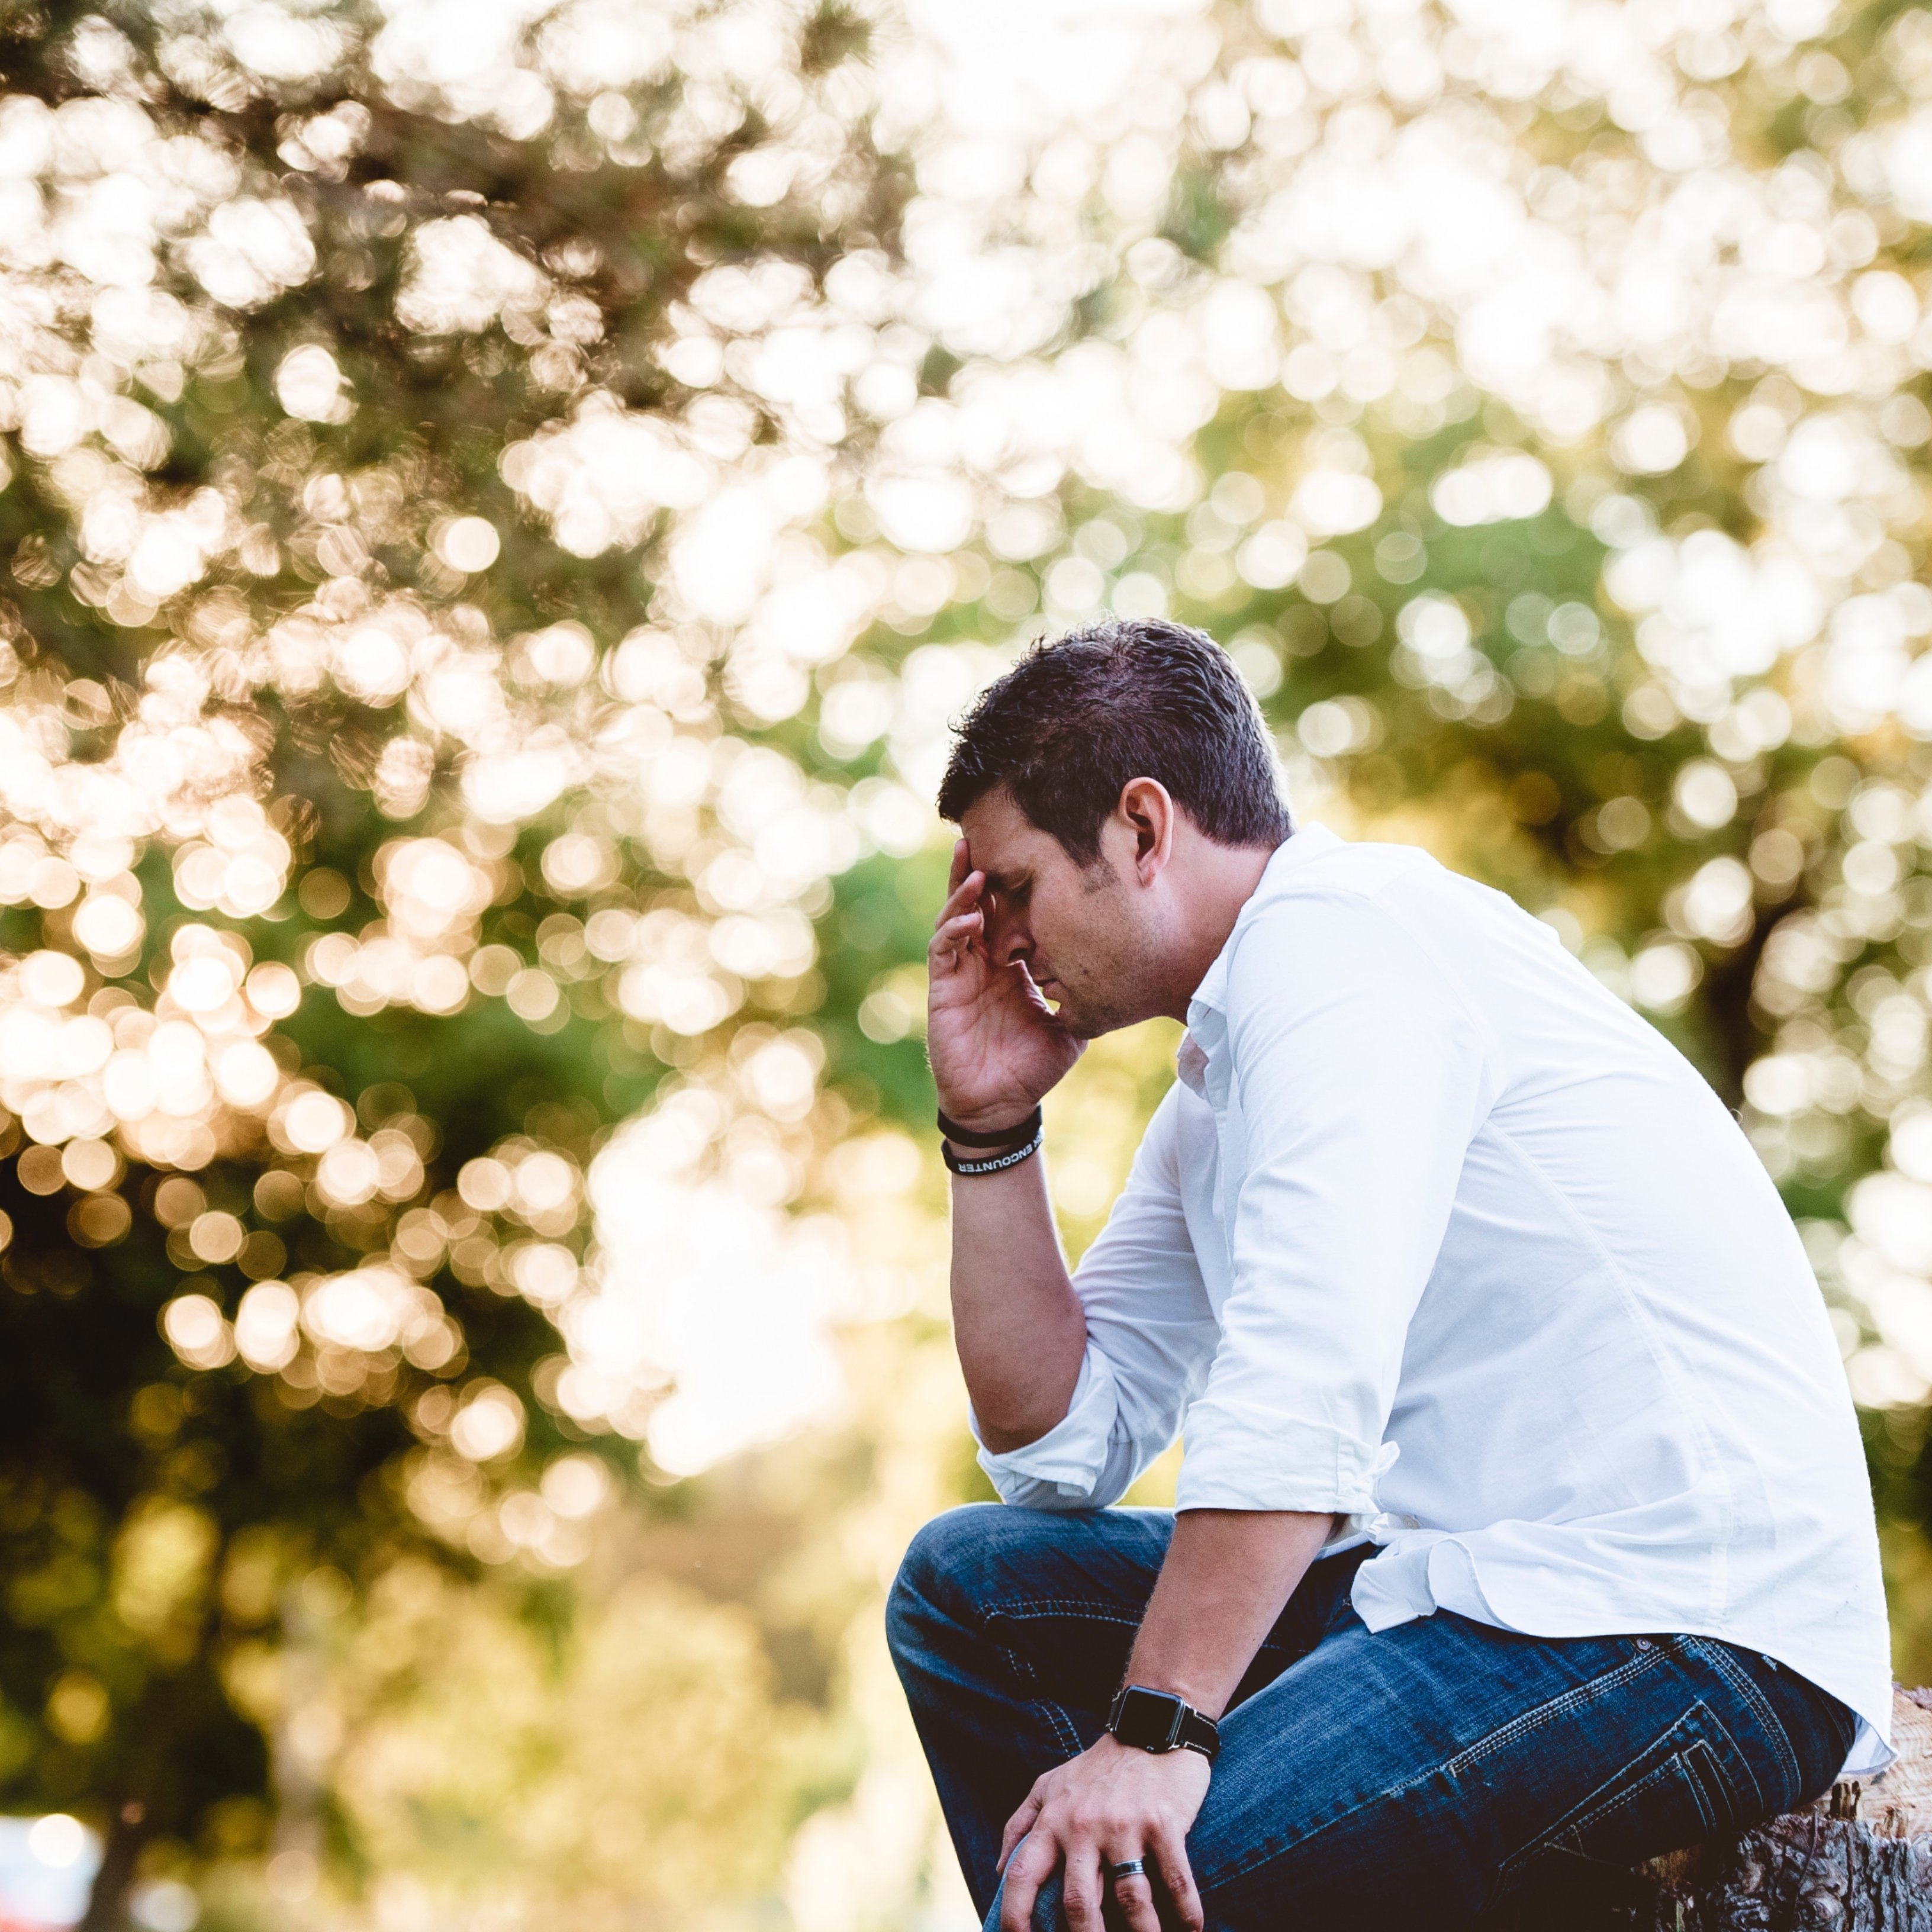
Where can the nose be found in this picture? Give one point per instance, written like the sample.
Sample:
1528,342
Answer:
1007,937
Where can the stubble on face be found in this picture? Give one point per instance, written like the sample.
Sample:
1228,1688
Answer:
1109,972
1087,954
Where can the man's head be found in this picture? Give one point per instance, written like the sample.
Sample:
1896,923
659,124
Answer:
1116,787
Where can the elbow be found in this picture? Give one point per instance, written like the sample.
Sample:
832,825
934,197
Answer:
1003,1430
1014,1410
1011,1414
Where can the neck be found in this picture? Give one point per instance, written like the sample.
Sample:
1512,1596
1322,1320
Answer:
1221,880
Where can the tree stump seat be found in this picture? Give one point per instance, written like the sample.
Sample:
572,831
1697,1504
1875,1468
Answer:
1860,1860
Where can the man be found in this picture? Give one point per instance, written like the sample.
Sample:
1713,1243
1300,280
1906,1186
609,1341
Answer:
1523,1523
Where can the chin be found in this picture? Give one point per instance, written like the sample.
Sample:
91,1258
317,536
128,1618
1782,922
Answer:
1083,1023
1082,1019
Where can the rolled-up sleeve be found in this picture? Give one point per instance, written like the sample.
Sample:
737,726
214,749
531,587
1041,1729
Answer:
1355,1076
1150,1335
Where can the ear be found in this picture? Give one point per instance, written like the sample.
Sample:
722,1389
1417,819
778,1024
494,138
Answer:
1149,814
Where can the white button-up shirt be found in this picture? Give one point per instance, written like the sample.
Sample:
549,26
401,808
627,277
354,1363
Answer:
1435,1234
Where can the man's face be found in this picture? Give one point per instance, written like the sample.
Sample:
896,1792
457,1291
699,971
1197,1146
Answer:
1083,932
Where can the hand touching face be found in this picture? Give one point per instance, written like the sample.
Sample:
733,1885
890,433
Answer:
1078,930
995,1045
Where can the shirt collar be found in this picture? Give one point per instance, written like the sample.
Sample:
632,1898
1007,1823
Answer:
1208,1009
1289,856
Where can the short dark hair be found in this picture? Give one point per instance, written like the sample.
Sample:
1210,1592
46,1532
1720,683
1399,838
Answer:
1077,718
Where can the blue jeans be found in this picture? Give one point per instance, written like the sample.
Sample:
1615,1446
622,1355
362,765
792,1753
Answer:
1414,1777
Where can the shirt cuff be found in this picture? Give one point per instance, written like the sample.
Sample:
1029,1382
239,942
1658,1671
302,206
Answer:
1234,1461
1073,1453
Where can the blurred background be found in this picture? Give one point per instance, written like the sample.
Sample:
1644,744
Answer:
502,499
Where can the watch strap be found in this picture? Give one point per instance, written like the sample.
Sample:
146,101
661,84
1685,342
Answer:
1199,1733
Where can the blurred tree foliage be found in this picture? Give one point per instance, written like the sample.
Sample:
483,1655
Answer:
280,448
499,508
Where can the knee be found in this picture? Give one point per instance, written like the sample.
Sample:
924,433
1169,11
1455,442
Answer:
944,1555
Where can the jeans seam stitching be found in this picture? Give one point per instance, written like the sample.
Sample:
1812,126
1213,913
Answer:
1548,1840
1028,1606
1059,1722
1506,1734
1610,1680
1728,1667
1063,1727
1714,1788
1630,1794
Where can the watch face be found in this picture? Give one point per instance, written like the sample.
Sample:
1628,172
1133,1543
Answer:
1149,1720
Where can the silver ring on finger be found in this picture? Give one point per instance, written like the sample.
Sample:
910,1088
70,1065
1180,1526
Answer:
1127,1868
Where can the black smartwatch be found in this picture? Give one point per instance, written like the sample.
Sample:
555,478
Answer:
1155,1721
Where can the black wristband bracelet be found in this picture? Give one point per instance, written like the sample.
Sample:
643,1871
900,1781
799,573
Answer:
996,1163
1006,1137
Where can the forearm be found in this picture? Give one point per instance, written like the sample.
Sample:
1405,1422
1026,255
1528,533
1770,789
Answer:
1017,1322
1227,1576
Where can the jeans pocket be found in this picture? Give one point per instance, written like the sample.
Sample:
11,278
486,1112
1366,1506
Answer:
1674,1794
